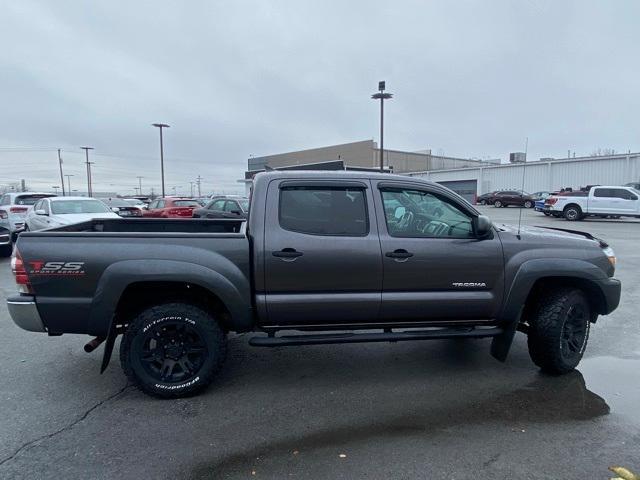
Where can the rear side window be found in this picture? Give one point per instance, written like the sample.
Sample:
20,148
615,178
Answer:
29,199
324,210
185,203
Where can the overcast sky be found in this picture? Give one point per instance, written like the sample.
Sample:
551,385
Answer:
235,78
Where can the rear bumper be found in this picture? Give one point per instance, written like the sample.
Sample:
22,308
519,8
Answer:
611,288
24,313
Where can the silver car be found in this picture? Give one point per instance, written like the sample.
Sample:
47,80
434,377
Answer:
59,211
14,207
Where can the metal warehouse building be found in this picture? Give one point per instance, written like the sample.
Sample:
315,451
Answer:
542,175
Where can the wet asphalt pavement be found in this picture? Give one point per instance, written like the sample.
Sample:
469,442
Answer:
436,409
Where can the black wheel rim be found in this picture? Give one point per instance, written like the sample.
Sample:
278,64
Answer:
172,352
574,331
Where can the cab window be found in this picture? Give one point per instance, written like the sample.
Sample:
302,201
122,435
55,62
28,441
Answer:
324,210
416,213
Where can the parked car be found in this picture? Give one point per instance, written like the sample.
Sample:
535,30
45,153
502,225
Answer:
171,207
504,198
635,185
330,251
224,207
122,207
601,201
6,246
14,207
542,206
136,203
52,212
486,198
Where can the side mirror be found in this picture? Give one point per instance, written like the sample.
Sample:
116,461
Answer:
40,212
483,225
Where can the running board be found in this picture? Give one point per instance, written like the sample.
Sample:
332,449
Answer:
387,336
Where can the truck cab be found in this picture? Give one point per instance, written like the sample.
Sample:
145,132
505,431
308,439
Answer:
602,201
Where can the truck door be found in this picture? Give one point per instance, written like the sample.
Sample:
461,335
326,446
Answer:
322,253
435,268
603,201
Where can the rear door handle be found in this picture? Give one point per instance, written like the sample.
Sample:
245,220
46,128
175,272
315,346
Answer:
399,253
287,253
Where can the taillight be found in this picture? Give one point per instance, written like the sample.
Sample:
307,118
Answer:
551,201
18,209
22,279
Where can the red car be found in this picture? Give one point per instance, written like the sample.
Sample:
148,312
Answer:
171,207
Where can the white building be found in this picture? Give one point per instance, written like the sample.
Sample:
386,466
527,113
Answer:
542,175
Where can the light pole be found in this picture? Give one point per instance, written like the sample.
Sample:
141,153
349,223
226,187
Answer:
89,186
161,126
382,96
68,183
55,189
61,176
140,184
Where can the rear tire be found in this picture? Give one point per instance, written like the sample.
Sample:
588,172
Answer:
528,204
572,213
559,330
172,350
483,202
6,250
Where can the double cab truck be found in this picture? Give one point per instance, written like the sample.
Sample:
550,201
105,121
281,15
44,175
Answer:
323,258
601,201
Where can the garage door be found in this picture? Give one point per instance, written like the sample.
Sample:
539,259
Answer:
465,188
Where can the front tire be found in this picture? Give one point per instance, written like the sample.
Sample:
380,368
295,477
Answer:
172,350
559,330
497,204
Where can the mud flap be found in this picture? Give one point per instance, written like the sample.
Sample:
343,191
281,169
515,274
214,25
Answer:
108,345
501,344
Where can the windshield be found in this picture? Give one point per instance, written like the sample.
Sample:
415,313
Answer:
186,203
30,199
67,207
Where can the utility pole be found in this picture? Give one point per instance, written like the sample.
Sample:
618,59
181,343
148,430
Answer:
140,184
88,163
68,183
198,181
161,126
191,185
61,176
382,96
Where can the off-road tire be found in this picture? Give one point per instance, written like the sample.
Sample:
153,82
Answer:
552,320
497,204
572,213
161,324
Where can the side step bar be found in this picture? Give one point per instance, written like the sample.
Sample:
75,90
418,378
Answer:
387,336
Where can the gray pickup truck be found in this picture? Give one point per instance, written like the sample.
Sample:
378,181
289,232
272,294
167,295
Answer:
331,257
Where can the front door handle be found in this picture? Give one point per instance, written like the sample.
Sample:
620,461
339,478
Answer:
399,253
287,253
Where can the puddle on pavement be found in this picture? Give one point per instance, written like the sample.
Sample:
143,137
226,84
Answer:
617,380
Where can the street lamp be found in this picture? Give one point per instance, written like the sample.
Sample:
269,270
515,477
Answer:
382,96
161,126
69,182
55,189
89,186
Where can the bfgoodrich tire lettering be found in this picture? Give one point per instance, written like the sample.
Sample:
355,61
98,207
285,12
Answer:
559,330
172,350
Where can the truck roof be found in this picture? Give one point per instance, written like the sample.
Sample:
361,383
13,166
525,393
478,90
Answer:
339,174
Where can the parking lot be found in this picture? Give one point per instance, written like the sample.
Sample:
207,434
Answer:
438,409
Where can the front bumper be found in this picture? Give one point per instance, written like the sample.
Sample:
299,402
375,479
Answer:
24,313
611,288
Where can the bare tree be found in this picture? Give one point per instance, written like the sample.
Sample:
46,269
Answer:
603,152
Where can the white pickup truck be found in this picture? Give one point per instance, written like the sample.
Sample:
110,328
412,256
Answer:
602,201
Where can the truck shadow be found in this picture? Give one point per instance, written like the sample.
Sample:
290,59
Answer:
545,399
